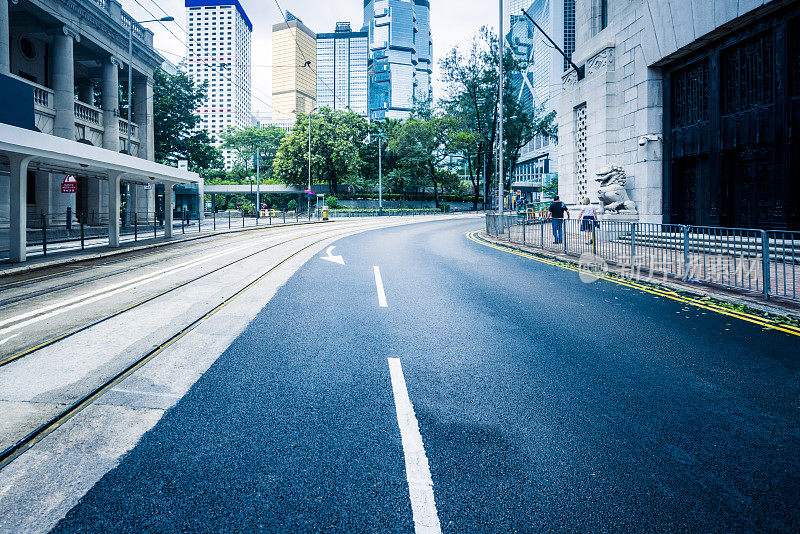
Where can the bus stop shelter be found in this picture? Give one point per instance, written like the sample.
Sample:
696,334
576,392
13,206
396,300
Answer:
25,149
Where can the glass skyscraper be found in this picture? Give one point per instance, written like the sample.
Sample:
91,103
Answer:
342,69
539,86
400,51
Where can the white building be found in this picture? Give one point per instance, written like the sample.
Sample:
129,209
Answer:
697,101
342,69
63,67
219,54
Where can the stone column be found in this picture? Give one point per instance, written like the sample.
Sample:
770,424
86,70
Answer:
86,92
169,200
64,82
5,38
18,206
143,116
201,201
113,208
110,103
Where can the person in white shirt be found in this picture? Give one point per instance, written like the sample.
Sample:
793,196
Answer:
588,218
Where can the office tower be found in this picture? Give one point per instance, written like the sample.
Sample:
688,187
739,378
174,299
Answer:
219,54
294,63
539,85
400,49
342,69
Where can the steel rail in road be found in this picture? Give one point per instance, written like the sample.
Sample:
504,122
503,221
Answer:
652,289
123,255
85,327
12,452
145,254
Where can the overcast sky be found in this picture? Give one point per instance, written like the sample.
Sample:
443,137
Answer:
452,22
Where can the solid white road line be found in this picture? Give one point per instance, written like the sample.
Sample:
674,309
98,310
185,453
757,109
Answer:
379,284
418,473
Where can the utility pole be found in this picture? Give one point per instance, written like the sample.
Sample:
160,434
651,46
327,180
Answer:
485,178
258,181
501,43
380,178
308,195
130,105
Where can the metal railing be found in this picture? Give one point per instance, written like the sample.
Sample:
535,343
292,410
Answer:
744,259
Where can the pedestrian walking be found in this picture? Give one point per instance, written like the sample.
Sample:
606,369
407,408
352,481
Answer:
588,219
557,210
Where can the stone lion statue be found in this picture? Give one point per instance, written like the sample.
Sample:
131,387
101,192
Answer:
612,191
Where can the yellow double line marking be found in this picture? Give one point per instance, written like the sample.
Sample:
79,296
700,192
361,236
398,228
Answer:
666,293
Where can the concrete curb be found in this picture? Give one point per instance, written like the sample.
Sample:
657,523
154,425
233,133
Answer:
88,256
691,289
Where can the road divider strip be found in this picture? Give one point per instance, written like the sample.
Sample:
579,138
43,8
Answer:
379,284
418,473
661,292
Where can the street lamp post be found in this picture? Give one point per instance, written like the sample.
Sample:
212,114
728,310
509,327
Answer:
258,182
380,176
501,43
308,196
130,103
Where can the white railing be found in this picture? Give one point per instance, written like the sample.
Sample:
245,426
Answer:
42,96
127,21
87,113
123,128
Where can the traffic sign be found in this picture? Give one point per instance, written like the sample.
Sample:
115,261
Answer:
69,185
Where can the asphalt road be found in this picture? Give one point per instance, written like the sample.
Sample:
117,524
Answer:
544,404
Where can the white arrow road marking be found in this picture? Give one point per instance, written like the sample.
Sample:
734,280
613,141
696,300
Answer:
330,257
379,284
418,473
9,338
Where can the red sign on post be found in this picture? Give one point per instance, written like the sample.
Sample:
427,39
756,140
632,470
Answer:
69,185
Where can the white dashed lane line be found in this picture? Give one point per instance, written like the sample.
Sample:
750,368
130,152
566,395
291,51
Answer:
379,284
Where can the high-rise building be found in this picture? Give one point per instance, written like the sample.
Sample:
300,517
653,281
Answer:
400,52
219,55
539,85
294,63
342,69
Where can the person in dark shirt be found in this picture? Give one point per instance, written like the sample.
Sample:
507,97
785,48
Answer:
557,210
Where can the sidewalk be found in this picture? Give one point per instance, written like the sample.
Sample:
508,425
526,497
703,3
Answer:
775,306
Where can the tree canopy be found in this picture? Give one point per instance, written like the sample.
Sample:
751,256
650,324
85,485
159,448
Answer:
336,139
175,98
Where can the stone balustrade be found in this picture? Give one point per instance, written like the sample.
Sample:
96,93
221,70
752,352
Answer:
123,128
87,113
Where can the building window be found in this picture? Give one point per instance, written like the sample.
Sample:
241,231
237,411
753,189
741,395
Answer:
580,150
603,14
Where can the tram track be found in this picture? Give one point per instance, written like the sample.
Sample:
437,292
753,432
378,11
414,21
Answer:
115,260
14,357
40,432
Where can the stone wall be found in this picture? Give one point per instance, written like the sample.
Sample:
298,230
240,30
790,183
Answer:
622,89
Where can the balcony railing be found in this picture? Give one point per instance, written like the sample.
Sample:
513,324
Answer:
123,128
138,31
87,113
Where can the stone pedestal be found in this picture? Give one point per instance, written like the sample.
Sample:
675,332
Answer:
616,225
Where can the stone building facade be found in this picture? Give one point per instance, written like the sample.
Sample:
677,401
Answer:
74,53
696,100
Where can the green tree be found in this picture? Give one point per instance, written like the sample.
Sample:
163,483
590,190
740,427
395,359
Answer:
423,143
336,139
471,76
175,98
243,143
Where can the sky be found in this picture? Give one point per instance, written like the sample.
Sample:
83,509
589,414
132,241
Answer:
452,22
